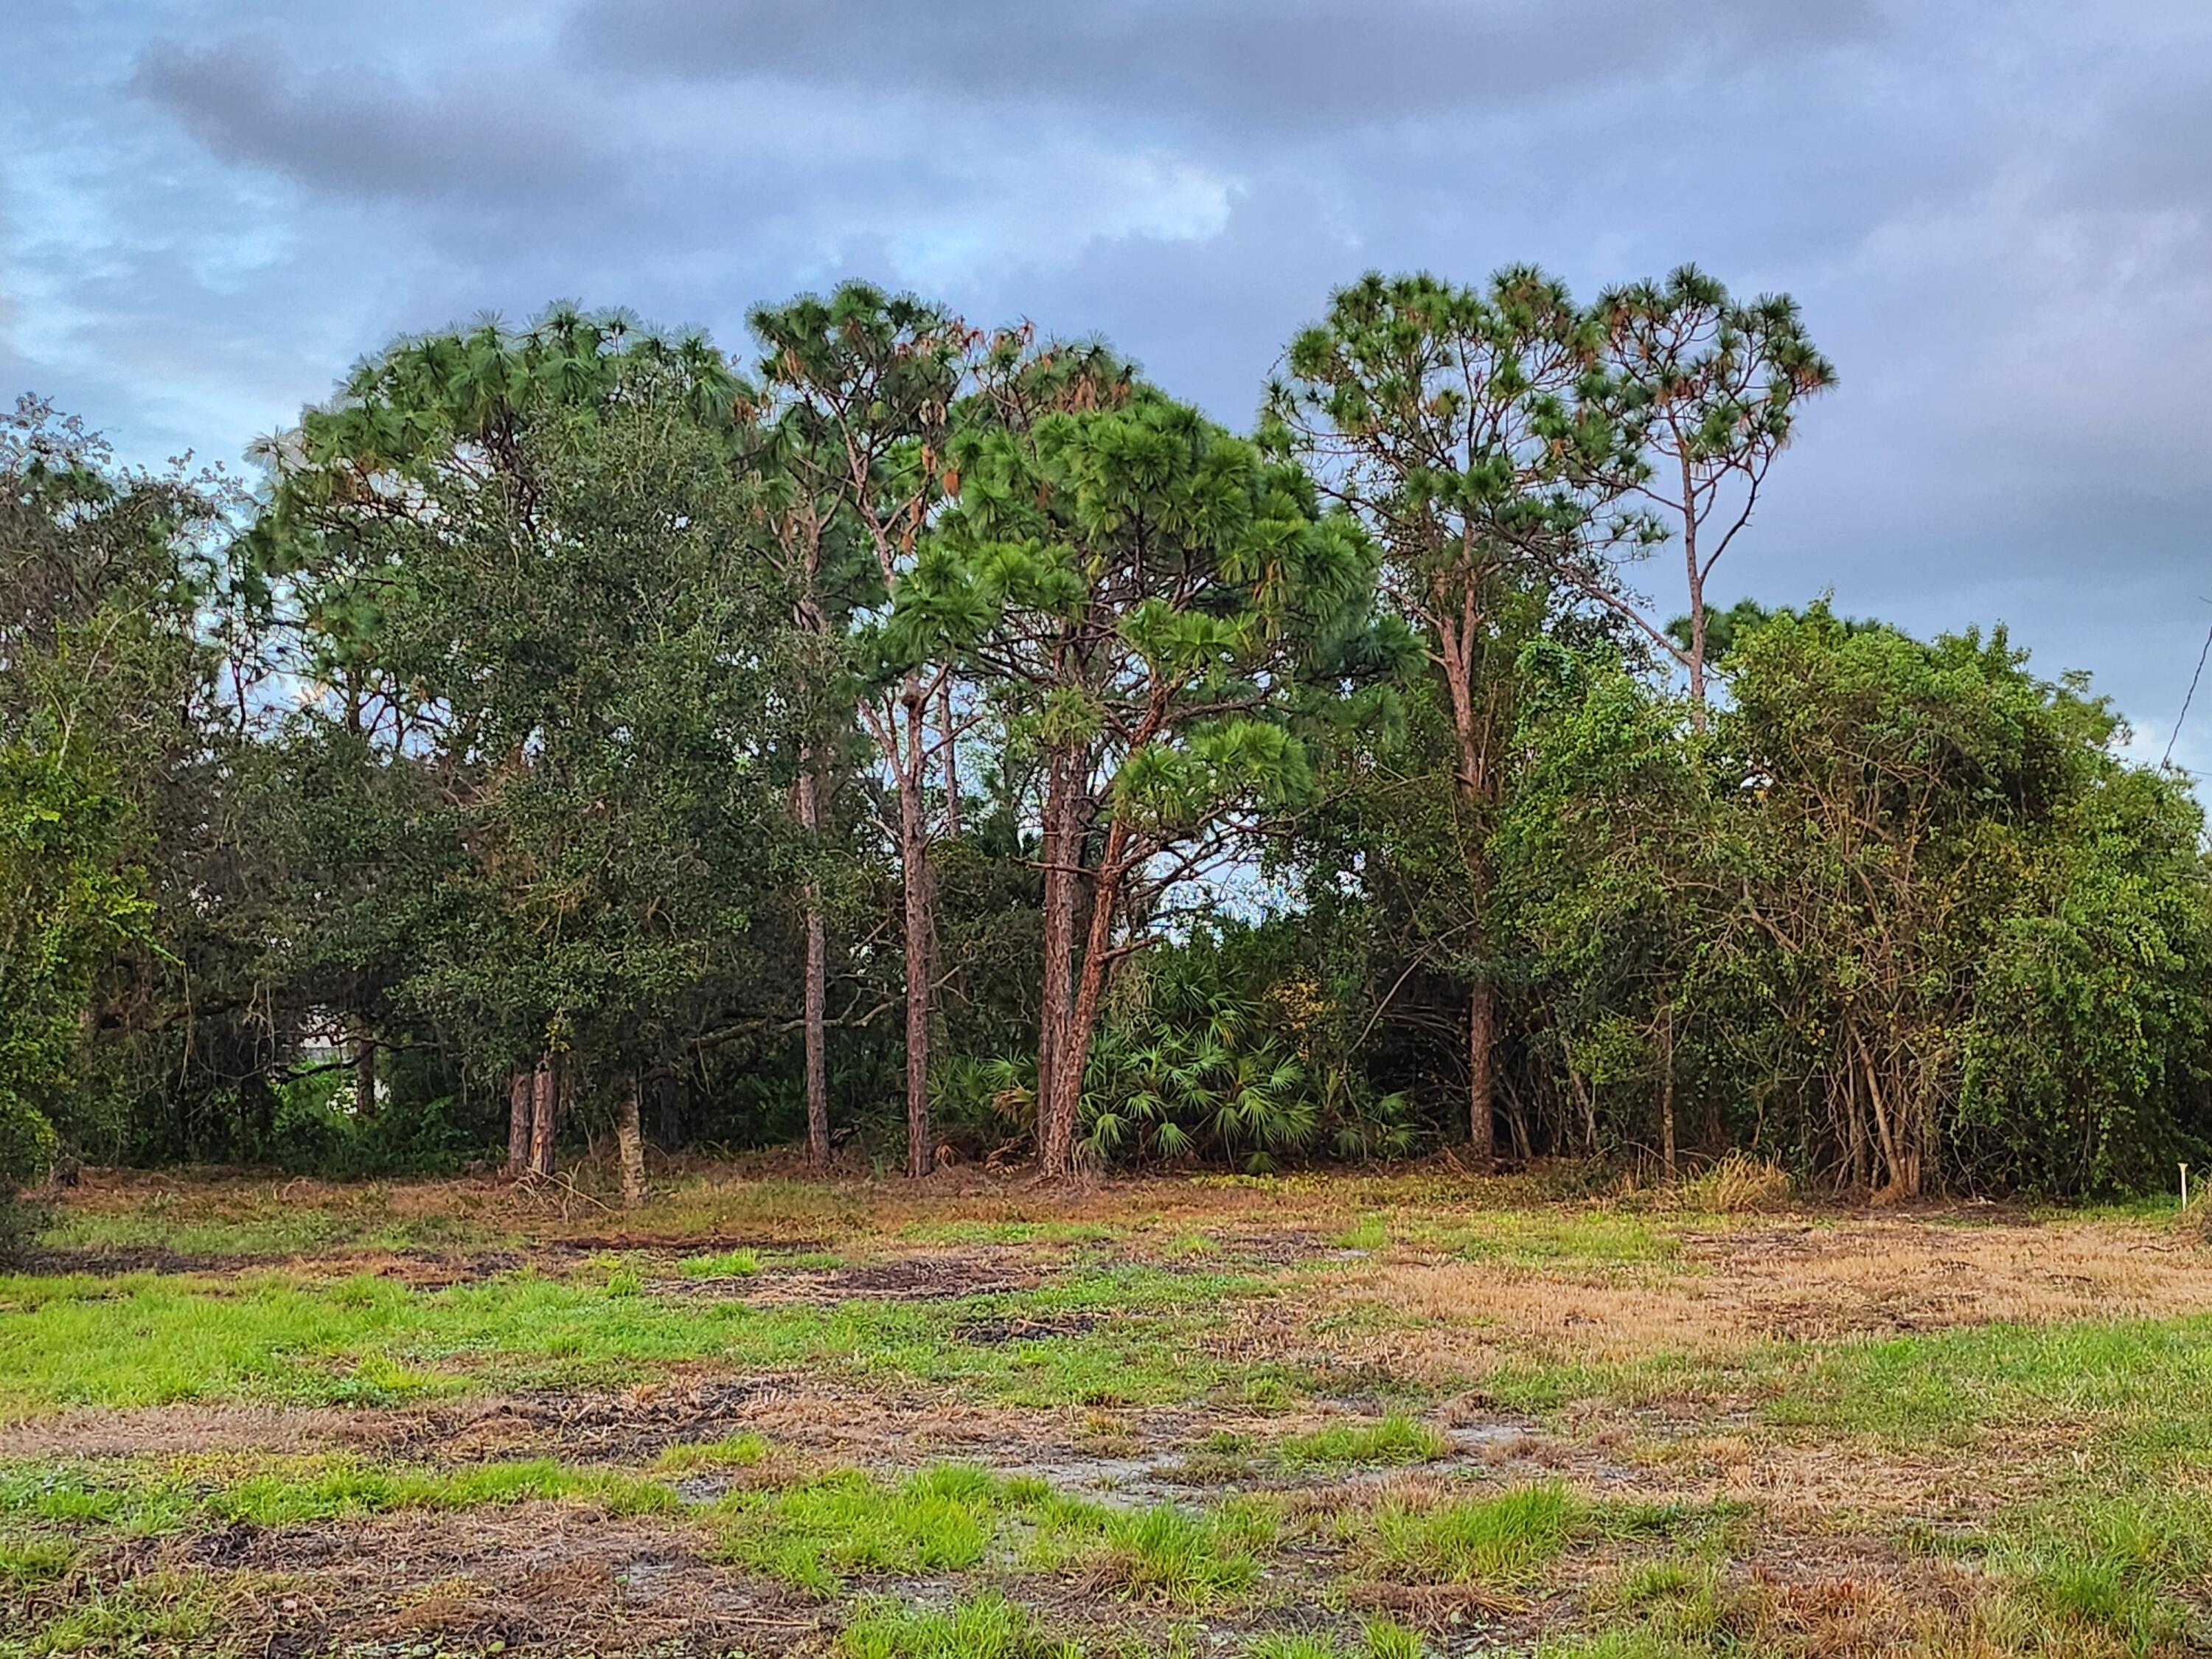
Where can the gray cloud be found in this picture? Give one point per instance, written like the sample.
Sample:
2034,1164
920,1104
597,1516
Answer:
362,130
1995,213
1285,65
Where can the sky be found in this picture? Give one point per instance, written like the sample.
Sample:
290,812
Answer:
1996,216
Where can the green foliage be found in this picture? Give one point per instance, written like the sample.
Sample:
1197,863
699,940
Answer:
1902,907
101,571
1216,1049
567,696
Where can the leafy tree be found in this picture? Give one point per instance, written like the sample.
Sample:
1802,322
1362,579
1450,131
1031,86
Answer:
1464,428
1158,593
105,688
1707,390
538,547
861,388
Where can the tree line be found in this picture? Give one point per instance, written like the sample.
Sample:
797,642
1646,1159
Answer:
943,742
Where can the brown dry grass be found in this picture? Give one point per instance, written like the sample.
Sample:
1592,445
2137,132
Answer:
1812,1280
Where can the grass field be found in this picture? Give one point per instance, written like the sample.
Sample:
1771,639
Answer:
1325,1418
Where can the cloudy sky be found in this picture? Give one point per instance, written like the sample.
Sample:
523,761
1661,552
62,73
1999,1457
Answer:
1997,213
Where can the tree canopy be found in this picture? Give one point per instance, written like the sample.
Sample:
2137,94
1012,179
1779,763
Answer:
922,741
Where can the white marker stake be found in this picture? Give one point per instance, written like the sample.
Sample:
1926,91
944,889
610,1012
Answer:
2185,1189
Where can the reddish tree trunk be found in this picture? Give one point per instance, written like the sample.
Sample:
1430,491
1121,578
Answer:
1090,982
1481,1072
1062,849
519,1090
817,993
915,879
364,1072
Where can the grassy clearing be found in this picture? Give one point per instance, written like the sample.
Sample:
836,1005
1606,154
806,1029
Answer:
2147,1383
1187,1560
146,1339
1730,1448
1499,1543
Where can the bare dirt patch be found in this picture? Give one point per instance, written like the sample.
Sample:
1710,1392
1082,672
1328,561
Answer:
924,1278
539,1577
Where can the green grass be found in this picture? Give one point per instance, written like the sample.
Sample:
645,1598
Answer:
823,1531
986,1627
2146,1382
27,1563
1382,1639
1368,1234
162,1614
730,1264
149,1340
1500,1542
1008,1232
262,1226
1396,1439
1550,1237
738,1452
1191,1561
144,1497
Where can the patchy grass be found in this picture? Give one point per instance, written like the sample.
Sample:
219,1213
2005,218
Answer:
167,1496
1396,1439
737,1451
1497,1543
163,1612
728,1264
1725,1427
986,1626
149,1340
818,1534
1188,1560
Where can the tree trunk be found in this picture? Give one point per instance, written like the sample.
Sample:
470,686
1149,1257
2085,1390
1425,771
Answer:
1590,1111
817,993
364,1072
258,1106
1697,597
518,1114
629,1137
1481,1073
545,1092
915,879
1056,1132
1090,982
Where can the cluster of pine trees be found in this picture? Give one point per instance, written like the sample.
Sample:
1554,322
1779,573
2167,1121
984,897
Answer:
932,742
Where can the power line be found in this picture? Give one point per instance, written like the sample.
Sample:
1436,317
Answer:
2191,697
